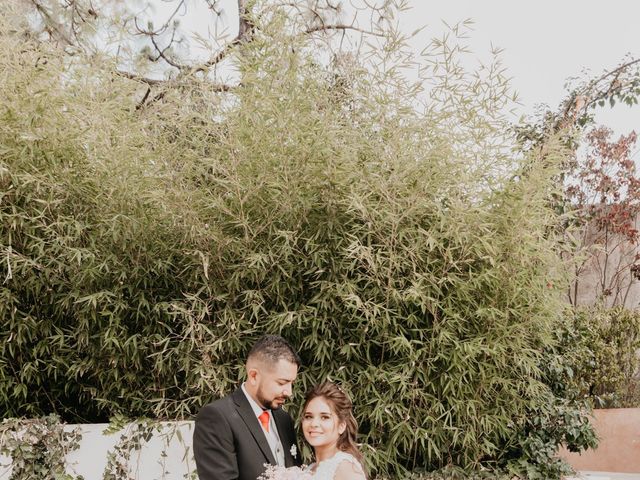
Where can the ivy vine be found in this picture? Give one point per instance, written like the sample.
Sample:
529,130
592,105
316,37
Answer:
38,447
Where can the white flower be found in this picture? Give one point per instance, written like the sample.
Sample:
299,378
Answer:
278,472
294,451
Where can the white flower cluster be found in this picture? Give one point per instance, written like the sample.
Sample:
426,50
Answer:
276,472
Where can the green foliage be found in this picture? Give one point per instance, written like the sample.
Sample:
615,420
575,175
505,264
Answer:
122,464
592,363
453,473
608,373
81,264
563,419
405,254
534,450
132,440
37,448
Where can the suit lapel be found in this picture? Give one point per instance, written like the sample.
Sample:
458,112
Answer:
246,413
283,433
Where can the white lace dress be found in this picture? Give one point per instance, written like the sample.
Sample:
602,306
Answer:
326,469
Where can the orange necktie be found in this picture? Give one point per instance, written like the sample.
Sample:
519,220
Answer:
264,419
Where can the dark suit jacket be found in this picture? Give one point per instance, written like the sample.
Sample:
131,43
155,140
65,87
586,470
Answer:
229,443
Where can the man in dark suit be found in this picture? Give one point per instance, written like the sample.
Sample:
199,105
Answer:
236,435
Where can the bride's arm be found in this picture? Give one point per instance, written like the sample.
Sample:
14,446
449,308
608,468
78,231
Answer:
349,471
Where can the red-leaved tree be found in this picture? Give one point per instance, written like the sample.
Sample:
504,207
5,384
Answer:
604,191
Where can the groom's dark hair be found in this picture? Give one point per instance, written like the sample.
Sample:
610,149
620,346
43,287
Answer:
271,348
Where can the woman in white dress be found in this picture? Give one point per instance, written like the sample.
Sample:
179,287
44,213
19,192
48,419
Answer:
330,428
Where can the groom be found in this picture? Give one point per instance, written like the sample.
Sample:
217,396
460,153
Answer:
235,436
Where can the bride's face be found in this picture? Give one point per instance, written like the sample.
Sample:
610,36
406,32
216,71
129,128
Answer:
320,424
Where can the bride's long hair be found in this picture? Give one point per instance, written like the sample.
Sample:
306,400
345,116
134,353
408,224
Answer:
342,406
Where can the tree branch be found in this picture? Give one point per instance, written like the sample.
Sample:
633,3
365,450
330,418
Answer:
246,29
161,54
320,28
164,27
606,85
216,87
49,22
219,56
139,78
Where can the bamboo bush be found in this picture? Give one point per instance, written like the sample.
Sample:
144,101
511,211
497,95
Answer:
385,227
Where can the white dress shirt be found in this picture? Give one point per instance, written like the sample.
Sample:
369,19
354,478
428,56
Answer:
272,435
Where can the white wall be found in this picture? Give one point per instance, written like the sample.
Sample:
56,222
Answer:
175,440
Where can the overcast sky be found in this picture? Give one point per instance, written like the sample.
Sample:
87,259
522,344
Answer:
544,42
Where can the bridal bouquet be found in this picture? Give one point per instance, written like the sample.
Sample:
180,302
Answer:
276,472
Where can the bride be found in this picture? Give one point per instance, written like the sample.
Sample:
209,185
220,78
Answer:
330,428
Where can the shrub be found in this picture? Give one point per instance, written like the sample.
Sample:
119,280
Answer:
609,373
37,447
407,255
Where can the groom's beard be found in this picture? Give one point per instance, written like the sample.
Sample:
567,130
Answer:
273,404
